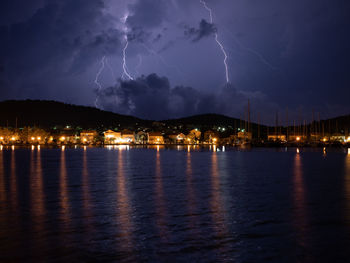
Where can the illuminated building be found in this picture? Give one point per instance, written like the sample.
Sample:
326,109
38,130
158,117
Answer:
128,136
88,137
155,138
277,137
67,137
141,137
112,137
337,137
297,138
244,136
211,137
177,138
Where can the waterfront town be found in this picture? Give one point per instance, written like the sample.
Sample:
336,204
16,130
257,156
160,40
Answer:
159,134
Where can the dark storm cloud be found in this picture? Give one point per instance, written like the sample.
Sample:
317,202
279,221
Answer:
63,36
138,35
14,11
146,16
205,29
152,97
52,49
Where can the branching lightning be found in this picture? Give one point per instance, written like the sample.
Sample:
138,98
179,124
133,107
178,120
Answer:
125,67
163,61
217,39
97,77
252,51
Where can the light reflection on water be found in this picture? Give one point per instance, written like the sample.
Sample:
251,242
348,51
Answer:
123,211
13,182
2,179
300,203
347,186
63,187
86,196
153,205
216,202
37,190
160,203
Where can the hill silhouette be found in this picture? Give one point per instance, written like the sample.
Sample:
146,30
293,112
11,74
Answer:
49,114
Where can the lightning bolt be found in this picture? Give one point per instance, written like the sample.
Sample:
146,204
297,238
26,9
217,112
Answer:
96,79
252,51
163,61
125,67
217,40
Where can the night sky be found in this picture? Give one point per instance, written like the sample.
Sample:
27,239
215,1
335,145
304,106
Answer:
291,53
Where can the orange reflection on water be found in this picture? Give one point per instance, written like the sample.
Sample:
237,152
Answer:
86,194
37,198
216,202
64,197
347,185
124,217
160,201
300,209
191,203
2,179
13,182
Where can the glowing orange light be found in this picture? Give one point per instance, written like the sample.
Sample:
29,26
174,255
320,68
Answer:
39,138
63,138
1,138
13,138
33,138
298,138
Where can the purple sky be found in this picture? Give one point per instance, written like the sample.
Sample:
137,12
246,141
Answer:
292,53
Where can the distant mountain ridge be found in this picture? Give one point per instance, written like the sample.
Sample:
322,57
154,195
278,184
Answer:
47,114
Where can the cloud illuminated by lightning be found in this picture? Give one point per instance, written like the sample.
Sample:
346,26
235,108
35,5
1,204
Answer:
96,79
217,40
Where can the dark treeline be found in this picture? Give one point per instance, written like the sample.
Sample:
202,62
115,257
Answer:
49,114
